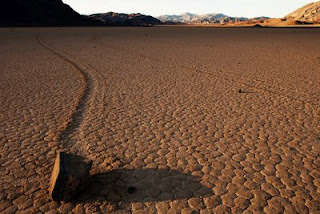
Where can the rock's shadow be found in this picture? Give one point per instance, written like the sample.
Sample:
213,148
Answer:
142,185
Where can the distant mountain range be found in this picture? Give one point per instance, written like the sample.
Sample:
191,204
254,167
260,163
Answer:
213,18
190,17
134,19
308,14
56,13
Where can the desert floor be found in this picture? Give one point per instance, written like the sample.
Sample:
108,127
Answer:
205,120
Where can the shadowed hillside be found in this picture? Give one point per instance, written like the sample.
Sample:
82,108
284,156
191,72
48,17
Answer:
40,13
137,19
56,13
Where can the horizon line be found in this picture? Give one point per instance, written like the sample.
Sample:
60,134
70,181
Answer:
252,17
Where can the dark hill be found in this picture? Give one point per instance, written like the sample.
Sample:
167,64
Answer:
121,19
40,13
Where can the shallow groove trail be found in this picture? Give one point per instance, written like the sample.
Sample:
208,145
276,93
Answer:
76,118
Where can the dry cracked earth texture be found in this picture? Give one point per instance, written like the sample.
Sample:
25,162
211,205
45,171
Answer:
175,119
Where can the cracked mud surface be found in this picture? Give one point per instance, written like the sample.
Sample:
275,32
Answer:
176,120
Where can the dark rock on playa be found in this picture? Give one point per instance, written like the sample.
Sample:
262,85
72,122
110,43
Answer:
258,26
70,175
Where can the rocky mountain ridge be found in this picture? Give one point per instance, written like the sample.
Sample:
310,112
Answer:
134,19
308,13
56,13
211,18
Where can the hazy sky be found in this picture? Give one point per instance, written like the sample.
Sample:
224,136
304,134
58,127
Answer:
247,8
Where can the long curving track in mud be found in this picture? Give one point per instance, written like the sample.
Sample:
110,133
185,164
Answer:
175,119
